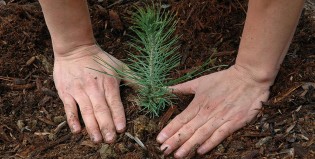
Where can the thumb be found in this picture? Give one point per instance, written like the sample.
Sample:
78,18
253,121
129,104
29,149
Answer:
188,87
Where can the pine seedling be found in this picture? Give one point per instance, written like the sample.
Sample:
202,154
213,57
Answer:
155,56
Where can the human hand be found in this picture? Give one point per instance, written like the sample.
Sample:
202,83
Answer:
96,94
224,102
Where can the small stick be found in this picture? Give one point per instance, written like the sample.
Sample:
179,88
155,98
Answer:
219,54
241,6
5,78
60,126
136,139
115,3
49,145
45,120
166,116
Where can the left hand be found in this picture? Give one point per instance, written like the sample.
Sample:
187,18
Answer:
224,102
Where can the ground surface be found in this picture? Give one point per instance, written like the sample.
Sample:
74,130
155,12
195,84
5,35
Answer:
30,110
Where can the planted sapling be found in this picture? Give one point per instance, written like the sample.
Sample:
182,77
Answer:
155,56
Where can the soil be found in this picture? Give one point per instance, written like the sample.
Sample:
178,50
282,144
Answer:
32,119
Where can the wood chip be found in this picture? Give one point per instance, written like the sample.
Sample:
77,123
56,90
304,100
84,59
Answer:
49,92
19,87
88,143
136,139
106,151
2,2
45,120
263,141
49,145
307,85
30,61
43,101
286,93
26,153
115,20
3,136
45,62
290,128
42,133
166,117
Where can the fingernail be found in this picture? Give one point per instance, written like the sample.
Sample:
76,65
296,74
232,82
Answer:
75,128
161,138
109,137
120,127
92,138
201,151
180,153
165,148
95,138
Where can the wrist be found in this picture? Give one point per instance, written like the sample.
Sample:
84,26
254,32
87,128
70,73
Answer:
77,52
66,43
261,76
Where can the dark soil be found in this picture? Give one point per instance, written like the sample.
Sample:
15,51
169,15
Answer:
30,110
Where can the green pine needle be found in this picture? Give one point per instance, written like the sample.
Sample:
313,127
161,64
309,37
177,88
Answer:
156,56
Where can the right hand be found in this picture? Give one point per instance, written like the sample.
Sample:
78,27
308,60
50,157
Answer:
224,102
97,94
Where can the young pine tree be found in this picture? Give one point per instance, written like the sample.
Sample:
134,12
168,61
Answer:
155,56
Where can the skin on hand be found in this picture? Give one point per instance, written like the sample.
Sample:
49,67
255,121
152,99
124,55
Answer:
224,102
96,94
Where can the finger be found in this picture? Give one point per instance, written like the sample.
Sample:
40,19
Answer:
183,134
218,136
71,113
101,109
114,101
201,135
188,130
183,118
188,87
103,116
87,113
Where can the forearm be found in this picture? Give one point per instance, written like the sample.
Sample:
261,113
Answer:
69,24
268,31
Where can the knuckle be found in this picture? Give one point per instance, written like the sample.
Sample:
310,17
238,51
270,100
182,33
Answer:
91,82
182,119
204,131
210,142
86,110
115,102
225,130
106,128
188,129
98,108
111,83
111,80
120,118
77,84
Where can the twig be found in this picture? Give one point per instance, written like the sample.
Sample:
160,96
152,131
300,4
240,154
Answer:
241,6
228,53
18,87
136,139
59,127
45,120
285,94
166,116
115,3
6,78
49,145
189,14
